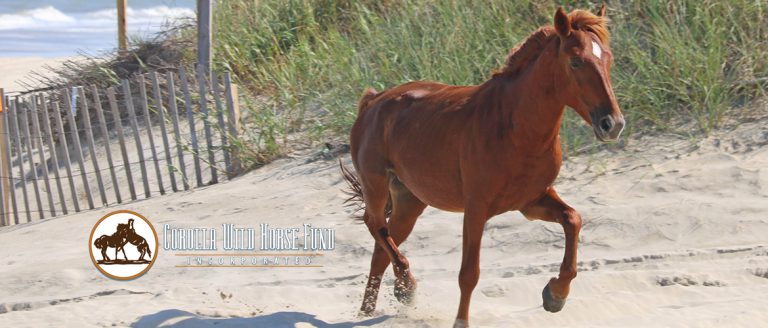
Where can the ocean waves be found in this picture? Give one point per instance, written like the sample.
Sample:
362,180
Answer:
48,31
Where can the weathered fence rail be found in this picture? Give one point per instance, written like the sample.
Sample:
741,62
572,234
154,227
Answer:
57,153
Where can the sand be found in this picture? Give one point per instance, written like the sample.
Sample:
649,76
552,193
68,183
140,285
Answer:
674,236
14,69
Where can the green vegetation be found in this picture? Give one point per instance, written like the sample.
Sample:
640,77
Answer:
680,66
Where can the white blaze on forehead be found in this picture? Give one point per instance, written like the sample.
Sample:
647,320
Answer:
596,50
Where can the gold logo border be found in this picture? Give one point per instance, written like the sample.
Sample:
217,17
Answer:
104,272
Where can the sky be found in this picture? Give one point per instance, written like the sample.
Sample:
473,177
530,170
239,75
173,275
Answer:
63,28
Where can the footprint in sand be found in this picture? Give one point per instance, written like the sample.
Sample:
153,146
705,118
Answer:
762,273
686,280
493,291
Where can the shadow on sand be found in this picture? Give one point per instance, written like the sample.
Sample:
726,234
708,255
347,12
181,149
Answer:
274,320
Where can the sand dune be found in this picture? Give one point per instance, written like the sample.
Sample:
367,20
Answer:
674,236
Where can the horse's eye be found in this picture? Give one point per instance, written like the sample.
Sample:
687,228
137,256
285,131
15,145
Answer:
576,62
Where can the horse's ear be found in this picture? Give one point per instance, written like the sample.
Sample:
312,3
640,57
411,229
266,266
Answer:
562,23
601,12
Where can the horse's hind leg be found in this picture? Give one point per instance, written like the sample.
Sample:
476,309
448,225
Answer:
375,196
551,208
406,208
145,250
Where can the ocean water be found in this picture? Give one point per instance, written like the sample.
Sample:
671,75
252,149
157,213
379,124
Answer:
59,28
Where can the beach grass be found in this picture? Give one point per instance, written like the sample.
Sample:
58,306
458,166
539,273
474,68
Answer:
680,66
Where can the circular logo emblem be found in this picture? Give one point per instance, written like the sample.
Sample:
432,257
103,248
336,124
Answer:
123,245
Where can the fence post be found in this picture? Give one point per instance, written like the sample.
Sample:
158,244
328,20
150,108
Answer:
220,119
122,35
128,98
148,122
204,35
121,140
201,81
65,148
70,108
92,144
191,120
176,130
105,138
20,156
52,149
158,96
32,168
41,152
233,110
5,185
8,164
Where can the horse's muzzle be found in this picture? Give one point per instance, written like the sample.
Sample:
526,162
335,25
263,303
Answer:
607,128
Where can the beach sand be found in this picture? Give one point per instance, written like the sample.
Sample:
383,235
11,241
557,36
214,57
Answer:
14,69
674,236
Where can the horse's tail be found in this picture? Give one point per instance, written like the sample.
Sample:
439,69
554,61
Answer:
149,251
367,96
355,193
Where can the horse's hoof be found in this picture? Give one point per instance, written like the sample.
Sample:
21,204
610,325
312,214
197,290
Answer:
551,303
369,302
405,289
460,323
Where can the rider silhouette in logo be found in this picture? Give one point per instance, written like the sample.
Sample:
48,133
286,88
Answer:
125,234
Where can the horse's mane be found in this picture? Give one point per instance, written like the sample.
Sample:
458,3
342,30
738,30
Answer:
528,50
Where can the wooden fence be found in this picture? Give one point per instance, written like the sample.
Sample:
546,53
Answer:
83,148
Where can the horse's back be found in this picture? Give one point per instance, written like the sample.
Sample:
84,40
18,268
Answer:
403,95
408,104
415,131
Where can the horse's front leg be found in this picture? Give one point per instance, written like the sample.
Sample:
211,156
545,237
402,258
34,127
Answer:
551,208
474,222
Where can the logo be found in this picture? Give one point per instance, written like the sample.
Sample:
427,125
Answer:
248,246
123,245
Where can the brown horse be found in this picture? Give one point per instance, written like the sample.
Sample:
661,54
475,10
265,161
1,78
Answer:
482,150
135,239
105,241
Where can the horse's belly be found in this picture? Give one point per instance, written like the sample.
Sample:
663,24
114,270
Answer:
438,190
427,164
449,204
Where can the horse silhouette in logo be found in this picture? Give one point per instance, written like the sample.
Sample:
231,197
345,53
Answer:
125,234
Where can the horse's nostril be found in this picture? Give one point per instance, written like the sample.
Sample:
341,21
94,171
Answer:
606,124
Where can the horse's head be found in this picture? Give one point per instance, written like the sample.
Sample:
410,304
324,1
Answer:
100,242
123,230
585,62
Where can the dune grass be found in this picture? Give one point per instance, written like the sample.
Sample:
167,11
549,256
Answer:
680,66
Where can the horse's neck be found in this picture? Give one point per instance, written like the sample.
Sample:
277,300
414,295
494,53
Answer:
526,108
